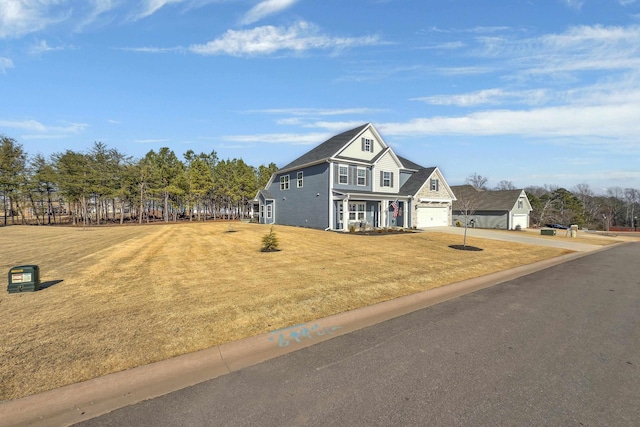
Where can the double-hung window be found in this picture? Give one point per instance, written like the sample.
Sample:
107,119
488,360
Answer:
362,176
367,145
435,185
269,211
343,174
284,182
386,179
520,203
300,179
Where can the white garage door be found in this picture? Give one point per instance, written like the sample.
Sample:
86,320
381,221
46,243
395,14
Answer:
433,216
521,220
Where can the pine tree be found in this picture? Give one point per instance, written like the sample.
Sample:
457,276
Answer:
270,242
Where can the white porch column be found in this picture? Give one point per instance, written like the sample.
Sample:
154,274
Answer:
405,213
384,218
345,214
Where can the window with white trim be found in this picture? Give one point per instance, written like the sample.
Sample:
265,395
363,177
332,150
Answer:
362,176
356,211
386,179
284,182
300,179
269,211
343,173
367,145
520,203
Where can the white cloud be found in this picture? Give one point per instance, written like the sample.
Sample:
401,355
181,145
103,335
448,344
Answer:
153,49
581,48
574,4
265,40
5,63
43,47
487,97
19,17
149,7
612,122
40,131
266,8
317,111
280,138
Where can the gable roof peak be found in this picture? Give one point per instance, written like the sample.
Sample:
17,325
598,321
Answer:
327,149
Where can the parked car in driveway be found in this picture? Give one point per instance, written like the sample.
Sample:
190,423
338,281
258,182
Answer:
559,226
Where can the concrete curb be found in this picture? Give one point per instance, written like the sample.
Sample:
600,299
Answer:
82,401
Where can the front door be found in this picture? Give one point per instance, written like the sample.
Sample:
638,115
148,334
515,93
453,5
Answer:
375,214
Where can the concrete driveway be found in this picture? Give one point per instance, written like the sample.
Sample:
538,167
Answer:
527,237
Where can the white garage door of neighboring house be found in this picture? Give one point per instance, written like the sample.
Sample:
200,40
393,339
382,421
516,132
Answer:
521,220
433,216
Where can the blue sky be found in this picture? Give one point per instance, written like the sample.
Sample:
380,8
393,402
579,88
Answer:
534,92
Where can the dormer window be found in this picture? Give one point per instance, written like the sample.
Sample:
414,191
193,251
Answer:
367,145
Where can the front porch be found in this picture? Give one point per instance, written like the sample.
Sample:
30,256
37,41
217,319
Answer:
364,212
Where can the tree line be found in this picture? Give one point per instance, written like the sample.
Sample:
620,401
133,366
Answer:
618,207
105,185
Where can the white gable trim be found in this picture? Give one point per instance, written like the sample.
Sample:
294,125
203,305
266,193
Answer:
440,177
393,156
368,127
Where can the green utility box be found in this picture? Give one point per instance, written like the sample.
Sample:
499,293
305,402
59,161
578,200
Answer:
24,278
549,232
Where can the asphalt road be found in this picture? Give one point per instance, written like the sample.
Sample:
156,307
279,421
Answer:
560,347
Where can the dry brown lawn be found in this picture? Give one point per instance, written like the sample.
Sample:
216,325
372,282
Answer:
132,295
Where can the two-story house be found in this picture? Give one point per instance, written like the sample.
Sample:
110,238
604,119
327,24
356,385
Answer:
355,179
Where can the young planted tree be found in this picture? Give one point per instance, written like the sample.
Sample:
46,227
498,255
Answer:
467,202
270,241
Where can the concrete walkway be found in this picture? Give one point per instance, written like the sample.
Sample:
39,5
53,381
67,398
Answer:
89,399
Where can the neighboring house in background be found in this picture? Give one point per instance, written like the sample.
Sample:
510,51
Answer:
355,179
505,209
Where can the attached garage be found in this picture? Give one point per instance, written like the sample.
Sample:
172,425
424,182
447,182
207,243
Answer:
432,216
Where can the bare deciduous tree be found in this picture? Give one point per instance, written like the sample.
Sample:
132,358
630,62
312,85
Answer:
467,202
505,185
477,181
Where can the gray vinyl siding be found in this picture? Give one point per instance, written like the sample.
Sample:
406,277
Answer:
266,219
522,211
485,219
306,206
352,185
